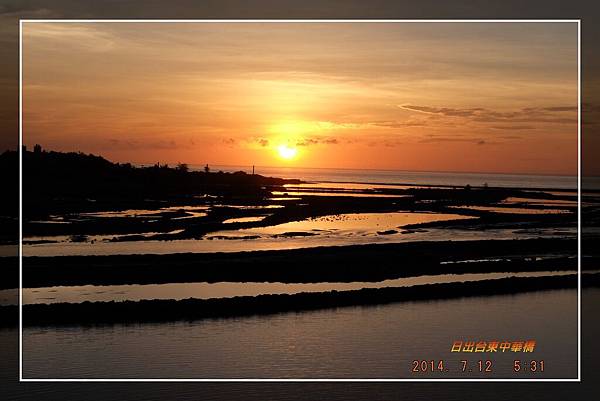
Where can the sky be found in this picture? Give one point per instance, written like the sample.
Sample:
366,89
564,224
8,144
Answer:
479,97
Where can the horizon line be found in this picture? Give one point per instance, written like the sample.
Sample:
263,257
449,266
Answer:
249,166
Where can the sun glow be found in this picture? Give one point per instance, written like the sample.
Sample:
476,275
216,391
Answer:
293,128
287,152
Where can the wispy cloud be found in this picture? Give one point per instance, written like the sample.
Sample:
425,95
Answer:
130,144
557,108
513,127
400,124
317,141
263,142
435,138
84,37
445,111
556,114
228,141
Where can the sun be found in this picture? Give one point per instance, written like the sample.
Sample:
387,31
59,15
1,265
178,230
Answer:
287,152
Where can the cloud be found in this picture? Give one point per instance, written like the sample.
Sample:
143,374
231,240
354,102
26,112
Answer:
228,141
558,108
317,141
445,111
513,127
434,139
400,124
388,143
53,36
556,114
308,141
114,143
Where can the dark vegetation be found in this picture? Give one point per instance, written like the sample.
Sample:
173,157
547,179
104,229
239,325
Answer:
64,186
55,182
372,262
94,313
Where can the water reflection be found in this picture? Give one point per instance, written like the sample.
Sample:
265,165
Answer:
354,186
244,219
179,291
337,193
540,202
344,224
190,211
352,342
512,210
233,244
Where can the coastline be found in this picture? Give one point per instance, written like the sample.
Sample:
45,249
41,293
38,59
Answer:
101,313
193,205
335,263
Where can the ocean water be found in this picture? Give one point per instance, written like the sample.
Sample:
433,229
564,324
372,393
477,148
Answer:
410,177
321,181
263,243
352,342
204,290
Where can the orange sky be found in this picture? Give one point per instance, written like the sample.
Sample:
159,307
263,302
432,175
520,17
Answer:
493,97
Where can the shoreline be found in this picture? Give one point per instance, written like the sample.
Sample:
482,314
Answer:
147,311
458,186
319,264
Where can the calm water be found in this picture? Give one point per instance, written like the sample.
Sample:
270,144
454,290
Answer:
349,229
352,342
410,177
268,242
203,290
513,210
346,224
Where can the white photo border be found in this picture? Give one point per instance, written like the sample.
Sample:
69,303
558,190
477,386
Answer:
20,144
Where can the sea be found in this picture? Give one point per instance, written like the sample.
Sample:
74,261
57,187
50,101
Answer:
399,177
375,342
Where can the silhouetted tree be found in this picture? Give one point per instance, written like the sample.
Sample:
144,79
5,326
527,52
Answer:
58,182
